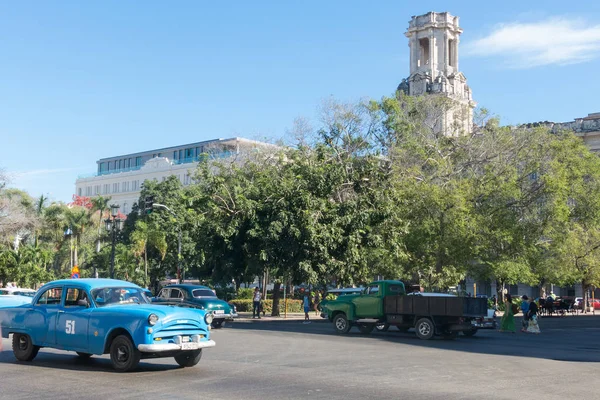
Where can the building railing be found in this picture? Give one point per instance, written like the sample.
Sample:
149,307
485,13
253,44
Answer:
198,158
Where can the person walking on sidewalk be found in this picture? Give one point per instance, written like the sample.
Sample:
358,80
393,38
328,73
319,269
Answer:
256,303
524,310
507,322
306,304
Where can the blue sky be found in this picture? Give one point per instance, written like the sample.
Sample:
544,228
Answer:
87,80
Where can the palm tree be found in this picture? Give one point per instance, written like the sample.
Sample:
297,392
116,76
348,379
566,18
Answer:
99,204
40,205
78,219
143,236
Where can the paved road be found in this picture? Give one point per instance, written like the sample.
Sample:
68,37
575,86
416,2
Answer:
289,360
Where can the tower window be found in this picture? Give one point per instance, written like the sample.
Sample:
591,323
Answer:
452,53
423,52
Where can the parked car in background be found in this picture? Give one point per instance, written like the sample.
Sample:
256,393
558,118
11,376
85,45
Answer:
105,316
13,291
197,296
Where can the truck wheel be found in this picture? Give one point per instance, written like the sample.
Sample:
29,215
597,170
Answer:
472,332
23,347
424,329
366,328
123,354
189,358
341,324
382,327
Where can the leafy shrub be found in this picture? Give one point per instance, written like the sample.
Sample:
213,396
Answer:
245,293
243,305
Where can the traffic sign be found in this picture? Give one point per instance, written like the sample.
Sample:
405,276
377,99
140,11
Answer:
75,272
74,276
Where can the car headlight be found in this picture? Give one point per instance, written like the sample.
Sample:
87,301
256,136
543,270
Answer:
152,319
208,318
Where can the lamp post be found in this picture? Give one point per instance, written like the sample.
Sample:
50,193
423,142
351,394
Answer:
113,224
69,233
157,205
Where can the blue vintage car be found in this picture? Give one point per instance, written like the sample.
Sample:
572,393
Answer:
100,316
197,296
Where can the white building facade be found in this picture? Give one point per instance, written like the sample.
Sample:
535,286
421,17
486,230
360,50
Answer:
121,177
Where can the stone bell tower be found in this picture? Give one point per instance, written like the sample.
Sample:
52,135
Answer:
433,40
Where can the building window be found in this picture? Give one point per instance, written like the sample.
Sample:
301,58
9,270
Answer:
79,192
102,167
125,187
159,154
452,53
189,153
175,155
125,208
423,52
106,189
134,185
97,190
180,154
138,161
88,191
115,188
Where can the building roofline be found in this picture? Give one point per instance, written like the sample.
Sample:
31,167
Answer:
193,144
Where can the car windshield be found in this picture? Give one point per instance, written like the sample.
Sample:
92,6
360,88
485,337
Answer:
203,293
119,295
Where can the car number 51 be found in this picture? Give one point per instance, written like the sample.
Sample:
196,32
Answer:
70,327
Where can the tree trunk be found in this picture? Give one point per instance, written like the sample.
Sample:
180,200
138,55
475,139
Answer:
275,311
586,297
145,267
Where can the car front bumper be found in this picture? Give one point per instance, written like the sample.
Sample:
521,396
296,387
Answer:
227,317
158,347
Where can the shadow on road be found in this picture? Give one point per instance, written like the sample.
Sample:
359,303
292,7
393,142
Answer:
572,338
70,361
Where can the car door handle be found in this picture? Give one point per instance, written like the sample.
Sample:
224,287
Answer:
60,311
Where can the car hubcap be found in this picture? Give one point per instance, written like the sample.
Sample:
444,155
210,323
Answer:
122,354
340,324
23,343
424,329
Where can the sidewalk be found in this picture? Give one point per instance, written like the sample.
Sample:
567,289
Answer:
291,317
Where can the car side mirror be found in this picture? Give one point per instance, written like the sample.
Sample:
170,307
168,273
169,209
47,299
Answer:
83,303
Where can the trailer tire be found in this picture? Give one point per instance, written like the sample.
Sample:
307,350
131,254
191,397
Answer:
470,333
365,329
341,323
424,329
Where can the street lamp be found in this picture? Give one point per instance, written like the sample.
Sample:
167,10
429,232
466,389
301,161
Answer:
157,205
113,224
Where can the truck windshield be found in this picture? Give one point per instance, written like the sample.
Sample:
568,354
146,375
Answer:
119,295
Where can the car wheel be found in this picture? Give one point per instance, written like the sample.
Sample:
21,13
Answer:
472,332
23,347
341,323
218,323
424,329
366,328
189,358
382,327
83,355
123,354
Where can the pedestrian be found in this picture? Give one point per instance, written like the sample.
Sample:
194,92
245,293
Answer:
316,302
495,301
524,310
507,323
306,303
256,303
532,317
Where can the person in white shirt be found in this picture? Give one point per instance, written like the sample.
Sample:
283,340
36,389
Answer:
256,303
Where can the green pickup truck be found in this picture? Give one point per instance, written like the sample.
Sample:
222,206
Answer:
386,302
